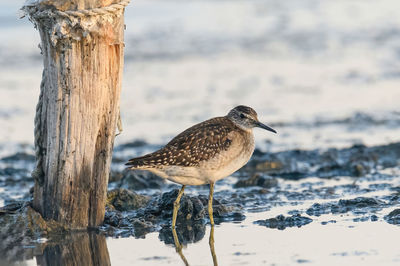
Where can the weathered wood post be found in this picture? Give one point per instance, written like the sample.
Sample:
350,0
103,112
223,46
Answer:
76,117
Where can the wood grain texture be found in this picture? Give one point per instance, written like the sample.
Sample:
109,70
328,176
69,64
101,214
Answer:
78,118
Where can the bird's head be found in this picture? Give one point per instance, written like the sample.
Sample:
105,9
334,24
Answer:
246,118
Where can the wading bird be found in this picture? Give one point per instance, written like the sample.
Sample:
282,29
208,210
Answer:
205,153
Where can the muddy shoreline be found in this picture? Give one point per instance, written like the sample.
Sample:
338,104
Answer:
360,182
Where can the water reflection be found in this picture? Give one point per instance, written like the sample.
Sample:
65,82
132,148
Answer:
178,247
185,232
90,248
76,249
188,233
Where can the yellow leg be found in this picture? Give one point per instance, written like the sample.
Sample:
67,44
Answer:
176,206
212,248
210,200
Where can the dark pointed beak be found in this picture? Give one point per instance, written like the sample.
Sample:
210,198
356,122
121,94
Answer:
259,124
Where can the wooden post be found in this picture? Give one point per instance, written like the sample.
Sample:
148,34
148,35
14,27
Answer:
78,107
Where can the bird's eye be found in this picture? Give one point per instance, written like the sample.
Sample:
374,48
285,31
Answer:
242,116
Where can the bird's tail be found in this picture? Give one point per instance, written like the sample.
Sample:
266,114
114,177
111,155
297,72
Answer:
142,162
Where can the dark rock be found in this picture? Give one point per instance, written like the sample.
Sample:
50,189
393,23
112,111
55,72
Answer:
358,160
326,222
194,209
294,212
223,211
13,207
361,219
318,209
127,224
359,205
381,186
302,261
138,179
219,210
393,217
167,199
12,175
19,156
21,228
287,164
397,189
134,144
191,208
230,217
394,199
124,200
281,222
113,218
325,192
257,180
141,227
374,218
226,213
118,160
115,176
258,152
304,195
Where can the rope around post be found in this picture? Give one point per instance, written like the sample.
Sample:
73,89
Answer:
38,173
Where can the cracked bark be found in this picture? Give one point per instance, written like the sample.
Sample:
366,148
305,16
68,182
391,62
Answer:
80,108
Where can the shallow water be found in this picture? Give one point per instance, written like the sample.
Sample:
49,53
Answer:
244,244
323,73
342,241
358,235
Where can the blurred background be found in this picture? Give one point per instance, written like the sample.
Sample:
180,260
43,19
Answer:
323,73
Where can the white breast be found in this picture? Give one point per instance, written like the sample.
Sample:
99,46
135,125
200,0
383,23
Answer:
228,162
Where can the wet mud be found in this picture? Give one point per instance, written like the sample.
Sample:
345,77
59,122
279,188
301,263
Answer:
393,217
361,182
281,222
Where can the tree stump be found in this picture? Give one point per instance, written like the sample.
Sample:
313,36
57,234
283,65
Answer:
78,106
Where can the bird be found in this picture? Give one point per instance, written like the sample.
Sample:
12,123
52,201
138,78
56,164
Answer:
204,153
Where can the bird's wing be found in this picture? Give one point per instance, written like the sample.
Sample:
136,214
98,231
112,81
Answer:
194,145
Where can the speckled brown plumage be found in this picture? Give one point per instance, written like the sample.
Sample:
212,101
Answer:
205,153
194,145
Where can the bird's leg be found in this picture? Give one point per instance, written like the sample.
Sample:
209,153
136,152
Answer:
212,248
176,206
178,247
210,213
210,207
